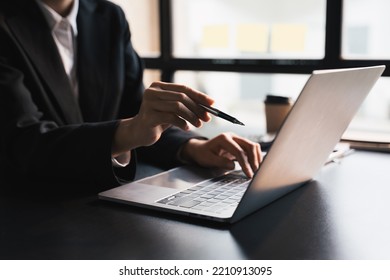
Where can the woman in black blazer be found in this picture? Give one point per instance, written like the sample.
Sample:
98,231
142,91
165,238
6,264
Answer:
48,132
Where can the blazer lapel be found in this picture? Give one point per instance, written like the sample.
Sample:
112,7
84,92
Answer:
35,37
93,62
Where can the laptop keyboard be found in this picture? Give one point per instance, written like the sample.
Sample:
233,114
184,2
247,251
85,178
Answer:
215,195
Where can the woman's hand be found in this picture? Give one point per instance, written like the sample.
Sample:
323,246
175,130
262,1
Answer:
222,151
164,105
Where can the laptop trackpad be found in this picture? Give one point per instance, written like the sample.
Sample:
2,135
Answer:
182,177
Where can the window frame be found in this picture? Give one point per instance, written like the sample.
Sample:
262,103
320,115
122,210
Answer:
168,64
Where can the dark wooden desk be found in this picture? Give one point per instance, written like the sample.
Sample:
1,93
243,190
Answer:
343,214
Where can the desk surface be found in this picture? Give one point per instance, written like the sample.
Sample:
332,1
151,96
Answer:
342,214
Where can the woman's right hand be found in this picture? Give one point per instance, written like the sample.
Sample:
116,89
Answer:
164,105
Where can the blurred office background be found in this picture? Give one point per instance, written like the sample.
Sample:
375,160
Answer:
238,51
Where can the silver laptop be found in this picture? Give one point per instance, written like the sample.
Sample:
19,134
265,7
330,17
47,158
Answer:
314,126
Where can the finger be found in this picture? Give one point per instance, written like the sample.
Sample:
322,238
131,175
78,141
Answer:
194,96
164,119
222,162
155,100
259,154
180,110
172,119
179,97
252,150
227,143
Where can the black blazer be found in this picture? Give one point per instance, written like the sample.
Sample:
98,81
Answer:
45,132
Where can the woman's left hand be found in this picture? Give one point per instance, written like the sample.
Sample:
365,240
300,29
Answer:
222,151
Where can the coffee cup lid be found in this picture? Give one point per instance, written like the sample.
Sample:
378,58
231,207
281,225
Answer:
277,99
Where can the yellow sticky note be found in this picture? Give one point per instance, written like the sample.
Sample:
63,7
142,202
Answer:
215,36
288,38
252,37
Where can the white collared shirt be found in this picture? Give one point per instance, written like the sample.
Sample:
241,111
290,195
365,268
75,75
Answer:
64,32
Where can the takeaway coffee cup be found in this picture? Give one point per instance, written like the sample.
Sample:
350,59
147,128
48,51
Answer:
276,110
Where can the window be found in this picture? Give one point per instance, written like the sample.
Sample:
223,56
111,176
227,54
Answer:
143,18
151,75
364,37
249,29
246,94
374,114
144,25
239,50
365,29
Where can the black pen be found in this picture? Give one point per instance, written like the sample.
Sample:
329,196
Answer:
220,114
